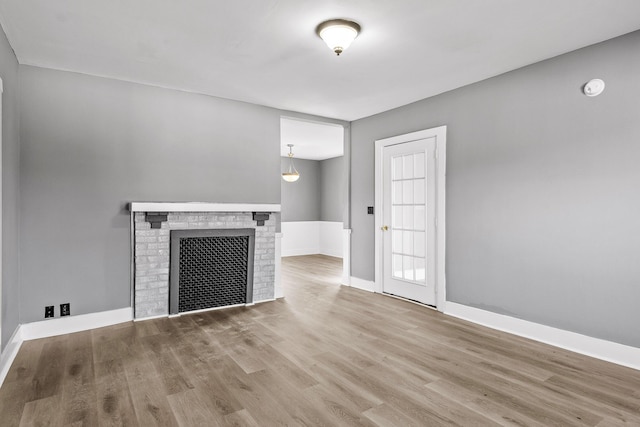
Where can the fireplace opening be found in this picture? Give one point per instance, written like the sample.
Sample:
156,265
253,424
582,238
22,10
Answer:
210,268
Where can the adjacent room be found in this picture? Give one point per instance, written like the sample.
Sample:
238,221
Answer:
295,212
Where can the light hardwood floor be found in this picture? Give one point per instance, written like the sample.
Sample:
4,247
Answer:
325,355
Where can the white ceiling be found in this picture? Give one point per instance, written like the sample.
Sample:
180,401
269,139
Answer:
311,140
266,51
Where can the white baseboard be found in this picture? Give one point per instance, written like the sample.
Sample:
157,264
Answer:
9,353
312,250
58,326
600,349
365,285
70,324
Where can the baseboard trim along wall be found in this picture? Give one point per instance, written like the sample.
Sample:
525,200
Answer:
600,349
9,354
70,324
59,326
365,285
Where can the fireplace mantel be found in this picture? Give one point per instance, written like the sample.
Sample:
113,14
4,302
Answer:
202,207
152,224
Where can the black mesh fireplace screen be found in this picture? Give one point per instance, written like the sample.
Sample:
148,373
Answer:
210,268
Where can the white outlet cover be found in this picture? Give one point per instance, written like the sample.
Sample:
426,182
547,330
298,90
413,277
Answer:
594,87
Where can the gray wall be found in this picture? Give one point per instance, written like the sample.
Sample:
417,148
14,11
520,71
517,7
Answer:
543,206
301,199
317,195
90,145
331,189
10,189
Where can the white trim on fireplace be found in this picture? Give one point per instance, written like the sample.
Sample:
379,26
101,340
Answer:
202,207
277,288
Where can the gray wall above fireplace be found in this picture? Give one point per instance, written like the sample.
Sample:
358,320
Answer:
91,145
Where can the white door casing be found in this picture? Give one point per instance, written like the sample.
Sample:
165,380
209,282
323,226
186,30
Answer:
1,90
410,202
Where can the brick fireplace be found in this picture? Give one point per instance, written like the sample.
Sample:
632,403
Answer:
152,224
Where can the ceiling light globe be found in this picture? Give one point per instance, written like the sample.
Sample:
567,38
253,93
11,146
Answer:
338,34
290,176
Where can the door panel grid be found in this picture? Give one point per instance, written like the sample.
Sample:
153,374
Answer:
408,196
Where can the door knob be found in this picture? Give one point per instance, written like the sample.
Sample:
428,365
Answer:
384,228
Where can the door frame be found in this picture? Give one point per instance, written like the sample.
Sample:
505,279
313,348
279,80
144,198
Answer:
1,90
440,133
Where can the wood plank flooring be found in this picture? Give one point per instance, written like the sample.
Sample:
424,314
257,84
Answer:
325,355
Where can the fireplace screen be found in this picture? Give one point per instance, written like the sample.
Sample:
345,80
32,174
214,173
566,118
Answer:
210,268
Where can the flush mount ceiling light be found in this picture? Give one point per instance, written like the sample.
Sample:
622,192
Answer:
292,174
338,34
593,87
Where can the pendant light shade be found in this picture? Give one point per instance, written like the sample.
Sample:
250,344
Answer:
292,174
338,34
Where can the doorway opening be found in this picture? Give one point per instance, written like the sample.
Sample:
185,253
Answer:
315,208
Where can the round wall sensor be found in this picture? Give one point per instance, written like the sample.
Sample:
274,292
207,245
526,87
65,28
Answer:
593,87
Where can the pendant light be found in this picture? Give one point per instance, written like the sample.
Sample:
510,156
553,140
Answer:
291,175
338,34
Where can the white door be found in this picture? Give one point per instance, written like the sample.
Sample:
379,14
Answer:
408,220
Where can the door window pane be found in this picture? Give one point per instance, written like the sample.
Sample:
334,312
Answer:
418,191
396,216
396,236
396,167
419,217
419,244
407,194
397,266
396,193
407,242
408,267
407,217
418,169
407,172
421,269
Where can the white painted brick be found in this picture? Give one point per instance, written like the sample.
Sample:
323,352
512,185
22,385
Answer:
163,245
146,239
178,225
146,279
143,267
143,233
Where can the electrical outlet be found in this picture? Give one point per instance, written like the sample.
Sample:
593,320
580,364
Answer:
65,309
48,311
369,210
